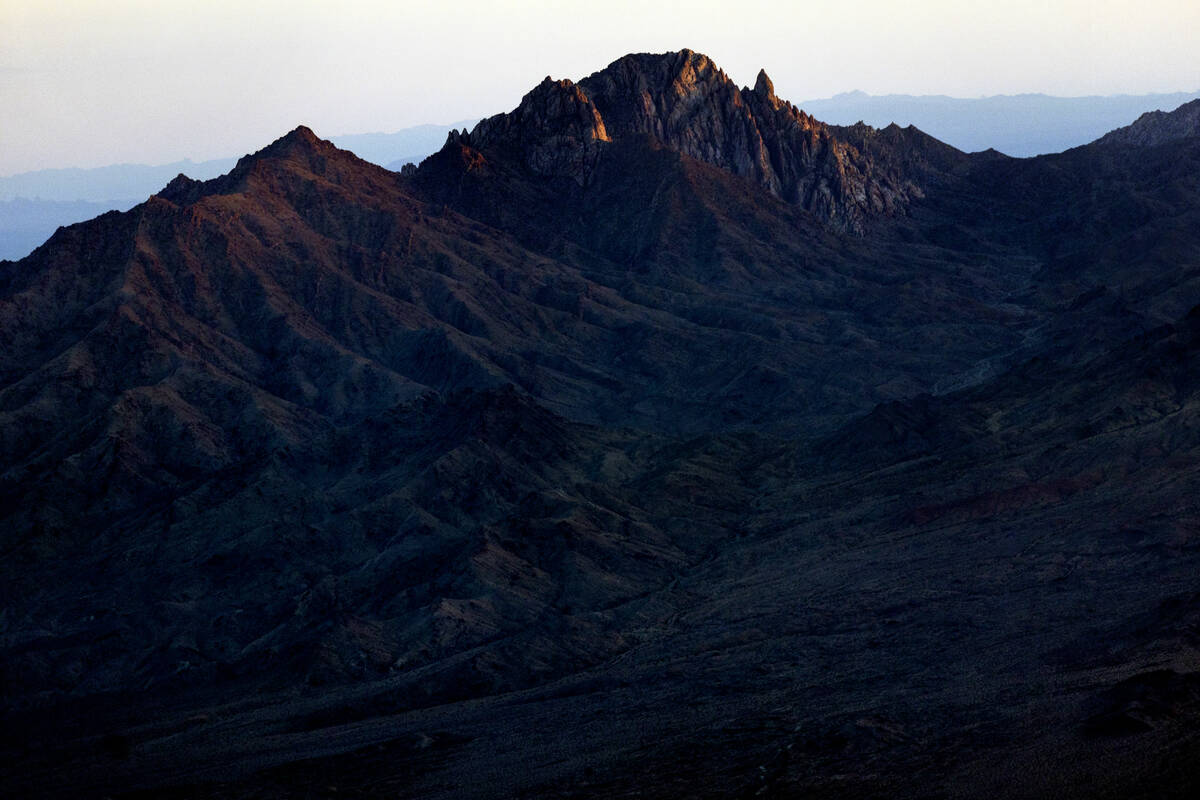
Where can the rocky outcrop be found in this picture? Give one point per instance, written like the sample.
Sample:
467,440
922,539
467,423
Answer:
689,104
1158,127
556,129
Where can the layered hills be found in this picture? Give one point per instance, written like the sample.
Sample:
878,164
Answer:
653,438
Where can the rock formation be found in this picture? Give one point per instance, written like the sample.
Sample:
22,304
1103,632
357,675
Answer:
686,102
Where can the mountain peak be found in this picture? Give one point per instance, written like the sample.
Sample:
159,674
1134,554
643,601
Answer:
684,100
682,73
557,129
299,145
299,139
180,189
763,87
301,133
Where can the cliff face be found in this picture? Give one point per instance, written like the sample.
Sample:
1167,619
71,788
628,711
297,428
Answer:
690,105
557,130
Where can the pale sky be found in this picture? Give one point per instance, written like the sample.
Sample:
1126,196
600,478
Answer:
94,82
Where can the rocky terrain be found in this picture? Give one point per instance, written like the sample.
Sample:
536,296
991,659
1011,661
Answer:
653,439
1158,127
685,102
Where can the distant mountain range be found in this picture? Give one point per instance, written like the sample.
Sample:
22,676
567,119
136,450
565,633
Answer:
1019,125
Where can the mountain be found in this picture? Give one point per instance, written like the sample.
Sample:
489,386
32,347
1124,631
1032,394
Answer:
691,106
34,204
1019,125
654,439
1157,127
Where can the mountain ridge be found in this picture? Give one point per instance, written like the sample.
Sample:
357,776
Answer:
683,100
52,197
1158,127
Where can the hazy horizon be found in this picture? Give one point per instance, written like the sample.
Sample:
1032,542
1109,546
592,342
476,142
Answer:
806,104
85,84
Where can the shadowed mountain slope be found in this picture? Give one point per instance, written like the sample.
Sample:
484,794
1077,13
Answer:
654,437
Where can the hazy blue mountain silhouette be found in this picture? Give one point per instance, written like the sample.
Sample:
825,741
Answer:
25,223
1017,125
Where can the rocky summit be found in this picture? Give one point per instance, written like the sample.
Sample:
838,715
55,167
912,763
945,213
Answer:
652,439
686,102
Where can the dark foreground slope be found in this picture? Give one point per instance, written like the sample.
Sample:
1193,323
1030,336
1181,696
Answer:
655,440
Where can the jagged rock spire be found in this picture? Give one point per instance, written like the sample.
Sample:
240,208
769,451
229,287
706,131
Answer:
763,86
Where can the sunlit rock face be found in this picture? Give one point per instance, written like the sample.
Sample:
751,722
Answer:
557,129
687,103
